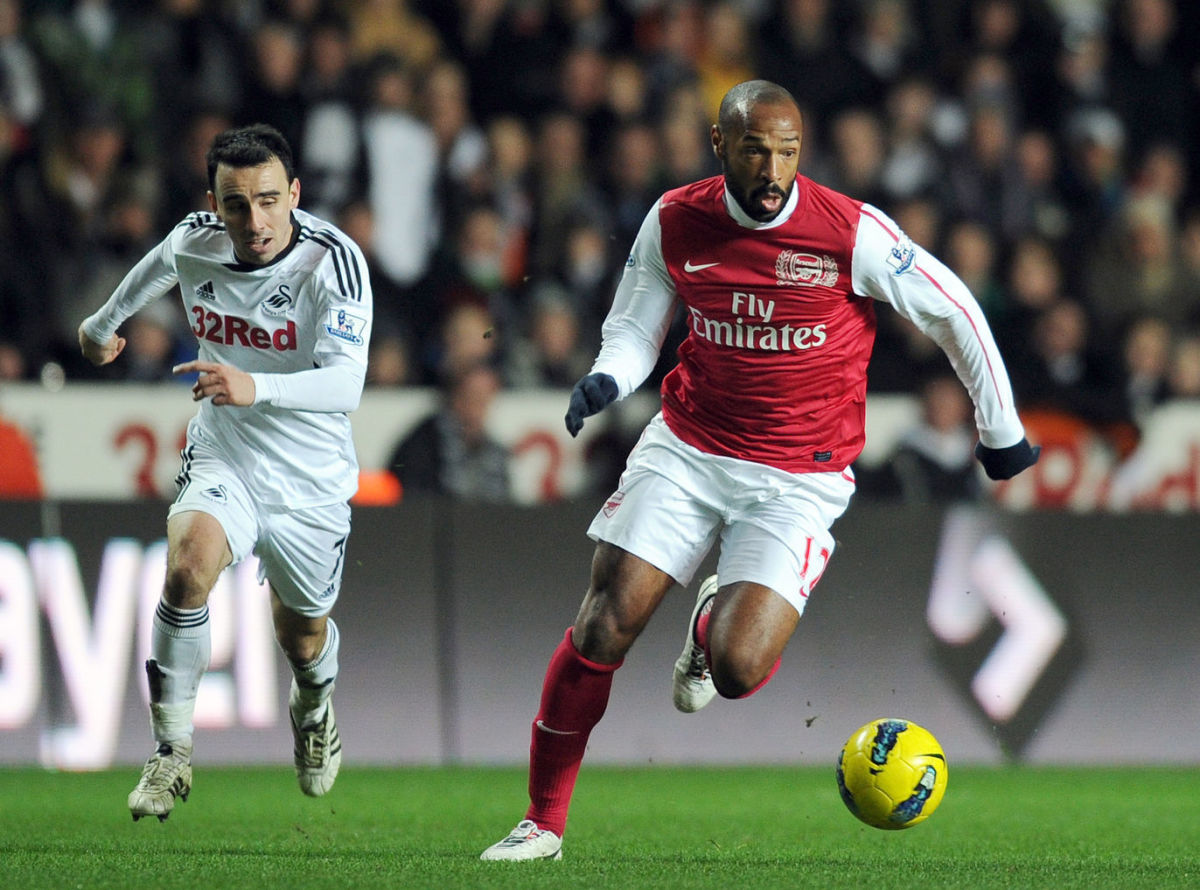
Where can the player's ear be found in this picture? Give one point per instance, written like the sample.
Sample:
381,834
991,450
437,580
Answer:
718,143
212,202
294,193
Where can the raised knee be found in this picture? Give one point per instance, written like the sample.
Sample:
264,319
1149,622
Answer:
736,674
731,680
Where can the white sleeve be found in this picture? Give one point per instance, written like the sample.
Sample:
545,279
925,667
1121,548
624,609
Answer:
334,389
152,277
336,385
641,313
889,267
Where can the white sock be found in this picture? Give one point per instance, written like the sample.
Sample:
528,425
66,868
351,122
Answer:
315,680
180,648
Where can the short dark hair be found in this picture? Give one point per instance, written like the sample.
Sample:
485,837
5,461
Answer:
735,107
249,147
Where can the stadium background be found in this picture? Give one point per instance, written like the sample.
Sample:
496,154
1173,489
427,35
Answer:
453,605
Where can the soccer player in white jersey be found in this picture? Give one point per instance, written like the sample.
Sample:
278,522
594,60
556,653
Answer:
280,303
760,422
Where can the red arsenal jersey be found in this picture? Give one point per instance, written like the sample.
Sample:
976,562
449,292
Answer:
781,324
774,366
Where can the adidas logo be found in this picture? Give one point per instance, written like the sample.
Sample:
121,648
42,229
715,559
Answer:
206,291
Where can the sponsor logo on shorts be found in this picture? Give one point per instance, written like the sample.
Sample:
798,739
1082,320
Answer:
611,505
327,592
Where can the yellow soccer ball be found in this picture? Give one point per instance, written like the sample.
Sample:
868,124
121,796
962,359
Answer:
892,773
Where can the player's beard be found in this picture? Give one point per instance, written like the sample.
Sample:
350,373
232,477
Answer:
748,200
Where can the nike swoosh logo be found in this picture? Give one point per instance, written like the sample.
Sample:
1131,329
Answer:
688,267
544,728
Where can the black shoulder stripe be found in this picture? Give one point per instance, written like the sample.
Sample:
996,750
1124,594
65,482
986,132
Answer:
338,264
348,274
346,264
307,233
202,220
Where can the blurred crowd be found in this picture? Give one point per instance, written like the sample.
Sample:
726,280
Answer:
495,158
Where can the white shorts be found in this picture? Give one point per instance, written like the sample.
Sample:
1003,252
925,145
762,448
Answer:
301,552
674,502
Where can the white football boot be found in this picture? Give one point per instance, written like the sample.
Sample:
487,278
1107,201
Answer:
526,841
317,752
167,775
693,686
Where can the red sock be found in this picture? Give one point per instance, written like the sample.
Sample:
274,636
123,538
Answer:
702,639
701,634
574,698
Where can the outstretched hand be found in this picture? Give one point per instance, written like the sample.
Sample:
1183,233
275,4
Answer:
1004,463
225,384
590,396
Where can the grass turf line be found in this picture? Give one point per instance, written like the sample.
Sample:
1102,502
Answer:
656,827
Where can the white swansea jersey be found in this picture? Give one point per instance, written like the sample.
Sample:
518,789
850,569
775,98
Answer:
299,325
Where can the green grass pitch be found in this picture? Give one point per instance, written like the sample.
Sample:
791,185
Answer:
743,828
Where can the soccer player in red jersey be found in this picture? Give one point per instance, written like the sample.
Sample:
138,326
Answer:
760,422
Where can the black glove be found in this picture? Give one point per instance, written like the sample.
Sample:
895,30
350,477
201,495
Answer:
1004,463
590,395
